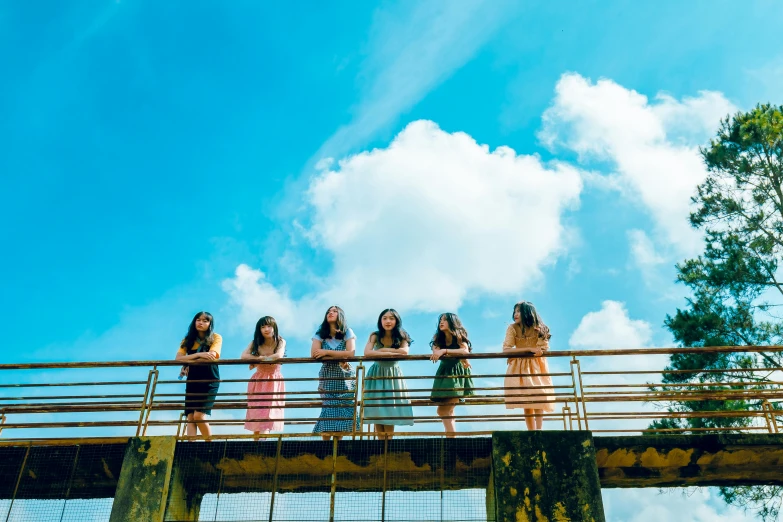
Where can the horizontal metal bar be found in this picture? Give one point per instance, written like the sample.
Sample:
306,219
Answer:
472,356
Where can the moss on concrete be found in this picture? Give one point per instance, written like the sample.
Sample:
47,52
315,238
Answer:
545,477
690,460
144,480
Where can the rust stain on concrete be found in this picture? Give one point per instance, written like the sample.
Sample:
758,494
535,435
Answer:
675,458
621,458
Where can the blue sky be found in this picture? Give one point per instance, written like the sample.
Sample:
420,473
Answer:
163,158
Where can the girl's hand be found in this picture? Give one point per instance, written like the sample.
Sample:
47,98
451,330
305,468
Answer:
318,353
437,354
209,356
537,352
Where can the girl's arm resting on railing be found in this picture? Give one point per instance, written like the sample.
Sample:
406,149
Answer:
368,348
510,344
316,352
462,350
402,351
199,356
246,355
350,351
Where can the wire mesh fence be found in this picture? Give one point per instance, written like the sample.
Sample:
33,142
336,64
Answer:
59,483
404,479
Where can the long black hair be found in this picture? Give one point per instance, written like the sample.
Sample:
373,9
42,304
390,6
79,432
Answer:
192,336
529,318
398,334
340,327
258,338
458,332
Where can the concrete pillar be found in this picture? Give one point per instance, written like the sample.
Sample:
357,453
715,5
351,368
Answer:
183,505
143,485
545,476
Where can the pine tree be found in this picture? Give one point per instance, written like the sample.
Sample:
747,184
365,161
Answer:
736,288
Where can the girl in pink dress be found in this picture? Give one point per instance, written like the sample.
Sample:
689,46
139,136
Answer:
266,389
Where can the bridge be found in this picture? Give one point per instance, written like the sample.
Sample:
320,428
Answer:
105,441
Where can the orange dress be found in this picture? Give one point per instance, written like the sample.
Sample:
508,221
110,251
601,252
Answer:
537,387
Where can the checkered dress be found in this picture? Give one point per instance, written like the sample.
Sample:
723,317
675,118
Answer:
337,388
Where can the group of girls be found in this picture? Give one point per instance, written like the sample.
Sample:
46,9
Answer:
386,400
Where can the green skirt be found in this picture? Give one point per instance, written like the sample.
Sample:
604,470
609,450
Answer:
452,381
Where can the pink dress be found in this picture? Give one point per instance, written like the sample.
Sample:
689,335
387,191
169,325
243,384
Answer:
265,399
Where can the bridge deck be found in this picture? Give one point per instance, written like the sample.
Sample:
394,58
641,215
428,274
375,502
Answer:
89,470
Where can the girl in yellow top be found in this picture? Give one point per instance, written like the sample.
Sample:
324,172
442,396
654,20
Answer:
200,344
532,391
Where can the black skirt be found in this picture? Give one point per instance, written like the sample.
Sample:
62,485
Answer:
200,396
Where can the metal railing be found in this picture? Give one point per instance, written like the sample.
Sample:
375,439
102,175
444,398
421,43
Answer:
605,391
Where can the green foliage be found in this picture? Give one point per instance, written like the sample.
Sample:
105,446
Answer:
735,286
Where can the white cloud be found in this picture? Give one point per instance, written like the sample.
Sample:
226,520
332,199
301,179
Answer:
424,223
409,54
252,296
654,267
652,146
611,328
653,505
643,251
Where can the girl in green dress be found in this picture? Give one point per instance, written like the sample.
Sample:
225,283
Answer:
452,379
385,393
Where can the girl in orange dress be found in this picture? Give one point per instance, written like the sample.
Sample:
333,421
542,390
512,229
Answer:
532,391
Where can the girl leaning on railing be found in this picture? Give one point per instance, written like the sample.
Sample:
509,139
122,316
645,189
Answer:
336,380
266,389
385,393
200,344
527,384
453,381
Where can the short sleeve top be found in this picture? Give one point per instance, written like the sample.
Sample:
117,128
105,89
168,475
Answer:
516,338
335,344
217,344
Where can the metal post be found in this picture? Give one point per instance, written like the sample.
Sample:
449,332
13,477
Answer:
334,479
70,482
356,406
2,421
18,481
144,403
576,392
150,400
274,480
220,483
361,402
385,468
769,416
442,472
179,423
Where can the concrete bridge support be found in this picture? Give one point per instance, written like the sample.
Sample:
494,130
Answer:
544,477
145,484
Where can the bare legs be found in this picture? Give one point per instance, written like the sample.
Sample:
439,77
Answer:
384,431
446,409
257,433
534,419
197,421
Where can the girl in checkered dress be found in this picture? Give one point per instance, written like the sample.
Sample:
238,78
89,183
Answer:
336,380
